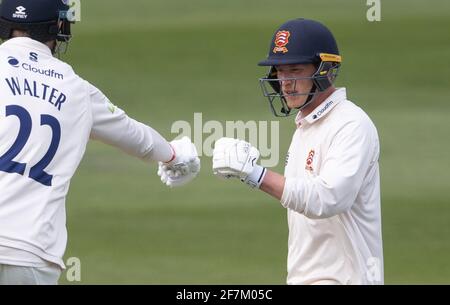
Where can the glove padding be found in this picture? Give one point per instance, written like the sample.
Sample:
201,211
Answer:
184,168
234,158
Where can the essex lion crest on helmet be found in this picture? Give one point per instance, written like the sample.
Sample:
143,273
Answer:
281,41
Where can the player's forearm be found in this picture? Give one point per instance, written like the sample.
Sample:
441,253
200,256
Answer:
273,184
111,125
161,149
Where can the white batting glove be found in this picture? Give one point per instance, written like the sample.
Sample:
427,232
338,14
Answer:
234,158
184,167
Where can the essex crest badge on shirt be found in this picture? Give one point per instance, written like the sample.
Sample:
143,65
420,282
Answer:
309,160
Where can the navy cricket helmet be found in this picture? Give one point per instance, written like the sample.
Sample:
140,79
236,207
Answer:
300,41
43,20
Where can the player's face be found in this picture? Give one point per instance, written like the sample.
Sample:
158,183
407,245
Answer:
291,87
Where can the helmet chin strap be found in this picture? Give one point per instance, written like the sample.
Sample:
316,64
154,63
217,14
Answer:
60,48
310,99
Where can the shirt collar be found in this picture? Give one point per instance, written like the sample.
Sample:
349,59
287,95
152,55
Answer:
29,43
326,106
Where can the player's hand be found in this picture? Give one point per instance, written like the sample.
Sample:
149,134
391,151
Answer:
184,167
234,158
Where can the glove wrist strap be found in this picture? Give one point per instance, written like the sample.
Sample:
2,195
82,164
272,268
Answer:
174,155
256,177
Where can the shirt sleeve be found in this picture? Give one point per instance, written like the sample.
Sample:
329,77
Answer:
334,190
112,126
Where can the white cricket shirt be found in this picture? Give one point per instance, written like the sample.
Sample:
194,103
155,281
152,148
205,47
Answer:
47,115
332,194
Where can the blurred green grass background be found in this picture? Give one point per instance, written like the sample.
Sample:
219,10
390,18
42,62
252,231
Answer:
162,61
